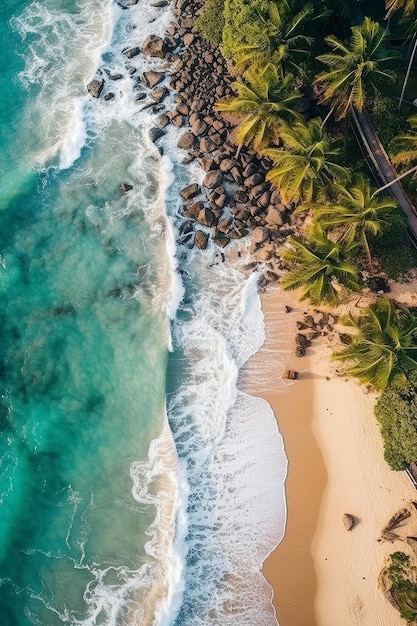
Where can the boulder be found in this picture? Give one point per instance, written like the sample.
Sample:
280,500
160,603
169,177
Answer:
300,351
186,141
224,224
192,210
289,375
207,163
200,240
109,96
273,217
159,94
198,127
207,145
154,46
206,217
348,521
221,240
190,191
162,120
155,134
213,179
302,341
254,180
95,87
152,78
125,187
288,309
132,52
188,39
259,234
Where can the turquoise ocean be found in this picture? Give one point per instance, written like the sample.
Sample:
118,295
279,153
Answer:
138,484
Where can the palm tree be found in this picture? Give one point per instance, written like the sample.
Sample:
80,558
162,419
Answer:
384,346
266,101
356,213
353,68
319,264
405,147
305,167
277,38
406,6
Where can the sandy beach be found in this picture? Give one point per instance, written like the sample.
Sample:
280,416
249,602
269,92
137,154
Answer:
322,574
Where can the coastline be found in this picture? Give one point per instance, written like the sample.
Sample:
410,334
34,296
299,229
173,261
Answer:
322,574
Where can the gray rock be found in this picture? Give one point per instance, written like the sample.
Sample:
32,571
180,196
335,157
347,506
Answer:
159,94
125,187
95,87
201,240
289,375
186,141
154,46
152,78
213,179
259,235
348,521
190,191
132,52
109,96
206,217
156,133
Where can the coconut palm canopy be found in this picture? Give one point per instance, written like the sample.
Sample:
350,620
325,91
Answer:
405,6
354,68
404,146
266,102
384,346
321,267
306,167
356,213
277,37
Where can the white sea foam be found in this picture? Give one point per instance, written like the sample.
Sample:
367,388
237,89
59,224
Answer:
236,465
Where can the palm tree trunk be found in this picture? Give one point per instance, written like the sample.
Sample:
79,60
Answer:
410,63
413,169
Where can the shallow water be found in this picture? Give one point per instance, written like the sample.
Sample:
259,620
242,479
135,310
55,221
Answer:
112,511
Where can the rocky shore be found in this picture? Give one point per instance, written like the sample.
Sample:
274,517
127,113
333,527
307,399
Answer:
234,201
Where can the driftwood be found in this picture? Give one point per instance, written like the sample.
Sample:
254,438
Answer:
395,521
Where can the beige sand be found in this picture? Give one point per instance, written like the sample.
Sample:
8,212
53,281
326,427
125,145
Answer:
321,574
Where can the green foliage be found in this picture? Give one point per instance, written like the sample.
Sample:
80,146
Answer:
385,117
396,412
403,589
262,31
354,68
384,345
320,268
395,253
211,22
266,101
306,167
356,213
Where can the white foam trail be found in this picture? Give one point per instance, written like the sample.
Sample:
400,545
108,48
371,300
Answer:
62,52
229,441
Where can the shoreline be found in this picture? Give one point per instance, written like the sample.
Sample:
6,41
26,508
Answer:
321,574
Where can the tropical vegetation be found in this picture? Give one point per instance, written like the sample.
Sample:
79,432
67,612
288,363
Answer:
320,267
384,345
266,101
354,69
396,412
404,587
356,213
305,168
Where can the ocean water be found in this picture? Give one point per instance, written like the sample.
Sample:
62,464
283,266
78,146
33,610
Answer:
138,484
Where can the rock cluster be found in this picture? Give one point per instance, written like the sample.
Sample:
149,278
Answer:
235,200
311,327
